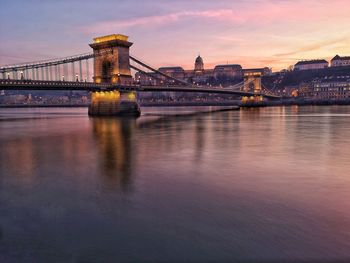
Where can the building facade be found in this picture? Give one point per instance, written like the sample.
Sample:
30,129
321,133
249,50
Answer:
230,70
326,88
199,75
311,64
339,61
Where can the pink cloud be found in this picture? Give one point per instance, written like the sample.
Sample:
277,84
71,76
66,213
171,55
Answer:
275,33
256,13
314,46
157,20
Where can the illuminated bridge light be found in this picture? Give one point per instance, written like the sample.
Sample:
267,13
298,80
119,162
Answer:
105,96
110,38
244,99
132,96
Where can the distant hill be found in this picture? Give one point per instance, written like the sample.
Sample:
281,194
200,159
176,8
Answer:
295,77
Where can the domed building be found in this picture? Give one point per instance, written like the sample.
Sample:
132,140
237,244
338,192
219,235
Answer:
198,64
226,73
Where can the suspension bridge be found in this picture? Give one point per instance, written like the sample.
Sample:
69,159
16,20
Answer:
113,89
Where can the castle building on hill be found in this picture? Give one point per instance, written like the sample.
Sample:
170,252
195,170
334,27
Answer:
311,64
198,75
339,61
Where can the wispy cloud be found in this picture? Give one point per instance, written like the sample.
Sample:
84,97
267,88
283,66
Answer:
253,13
314,46
157,20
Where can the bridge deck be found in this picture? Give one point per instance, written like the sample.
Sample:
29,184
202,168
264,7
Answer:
6,84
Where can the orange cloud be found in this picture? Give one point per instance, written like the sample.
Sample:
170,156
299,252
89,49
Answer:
314,46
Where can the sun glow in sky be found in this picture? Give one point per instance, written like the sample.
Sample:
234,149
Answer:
253,33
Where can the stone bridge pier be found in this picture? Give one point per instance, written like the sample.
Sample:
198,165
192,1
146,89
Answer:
112,66
114,103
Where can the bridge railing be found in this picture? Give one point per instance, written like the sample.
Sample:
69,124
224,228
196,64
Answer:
45,63
31,83
67,68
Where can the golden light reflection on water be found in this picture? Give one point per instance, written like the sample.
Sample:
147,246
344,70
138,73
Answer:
113,139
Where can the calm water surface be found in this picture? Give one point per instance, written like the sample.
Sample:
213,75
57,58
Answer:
260,184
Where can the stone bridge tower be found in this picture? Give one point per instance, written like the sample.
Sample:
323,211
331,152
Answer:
111,63
252,81
112,66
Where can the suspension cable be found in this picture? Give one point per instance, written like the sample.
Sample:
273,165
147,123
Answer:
157,71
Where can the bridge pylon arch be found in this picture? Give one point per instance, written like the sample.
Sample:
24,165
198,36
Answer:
252,82
111,59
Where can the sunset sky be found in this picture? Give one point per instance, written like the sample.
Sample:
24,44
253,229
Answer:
253,33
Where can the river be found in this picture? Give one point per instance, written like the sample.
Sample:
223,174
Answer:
268,184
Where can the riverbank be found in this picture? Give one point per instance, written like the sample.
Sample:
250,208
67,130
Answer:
45,106
201,103
295,102
189,103
142,104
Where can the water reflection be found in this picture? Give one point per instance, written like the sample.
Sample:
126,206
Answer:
259,184
168,133
199,138
114,142
19,161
